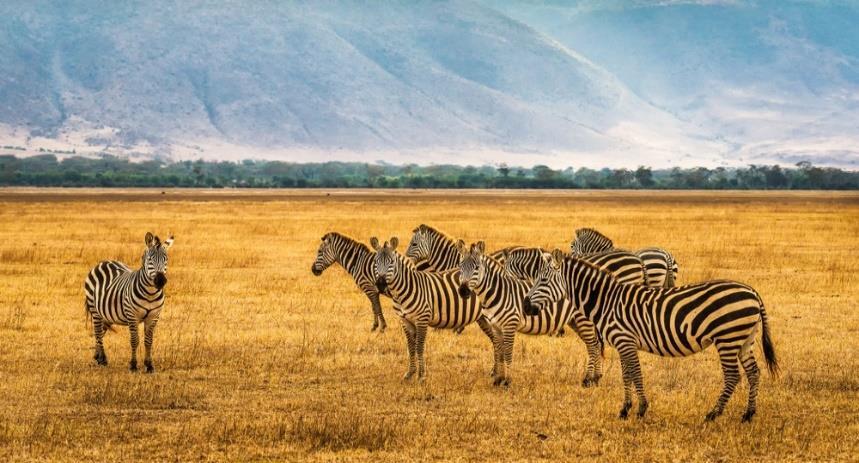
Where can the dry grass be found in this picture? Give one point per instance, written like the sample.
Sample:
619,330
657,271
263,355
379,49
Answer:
259,360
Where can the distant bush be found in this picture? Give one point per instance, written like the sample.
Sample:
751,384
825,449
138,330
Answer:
109,171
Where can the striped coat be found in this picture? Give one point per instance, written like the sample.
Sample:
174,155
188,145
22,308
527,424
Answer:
673,322
422,300
117,295
357,259
501,295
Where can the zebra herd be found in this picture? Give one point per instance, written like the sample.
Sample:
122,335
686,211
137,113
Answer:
627,300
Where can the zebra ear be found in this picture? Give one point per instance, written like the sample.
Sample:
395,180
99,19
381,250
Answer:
394,242
558,257
168,242
149,239
480,246
460,246
374,242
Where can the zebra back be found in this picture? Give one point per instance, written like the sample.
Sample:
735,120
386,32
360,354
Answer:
627,267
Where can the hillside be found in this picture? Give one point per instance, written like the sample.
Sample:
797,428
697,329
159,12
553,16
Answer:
462,82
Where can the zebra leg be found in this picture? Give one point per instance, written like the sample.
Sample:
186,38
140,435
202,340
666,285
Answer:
378,317
507,337
132,329
98,329
753,374
409,330
632,375
489,331
729,358
420,344
587,332
148,337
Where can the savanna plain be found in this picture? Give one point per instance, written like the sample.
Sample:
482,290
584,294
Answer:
259,360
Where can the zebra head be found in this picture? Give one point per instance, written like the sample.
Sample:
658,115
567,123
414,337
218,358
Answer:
154,260
385,261
419,247
325,255
471,266
589,241
549,286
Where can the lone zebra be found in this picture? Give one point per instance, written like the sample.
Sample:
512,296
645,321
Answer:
117,295
660,264
422,300
357,259
501,295
671,322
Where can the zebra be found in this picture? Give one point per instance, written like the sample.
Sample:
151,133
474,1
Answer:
501,295
437,251
434,251
627,267
422,300
117,295
661,267
357,259
670,322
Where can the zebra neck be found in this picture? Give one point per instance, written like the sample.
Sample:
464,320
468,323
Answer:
351,257
591,289
143,285
443,255
403,275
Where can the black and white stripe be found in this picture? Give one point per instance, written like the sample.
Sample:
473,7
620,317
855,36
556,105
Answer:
117,295
435,251
422,300
660,264
501,296
671,322
526,263
357,259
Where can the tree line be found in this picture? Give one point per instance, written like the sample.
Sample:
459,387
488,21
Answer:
109,171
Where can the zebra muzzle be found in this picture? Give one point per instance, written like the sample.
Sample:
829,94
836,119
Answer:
160,280
464,291
381,284
529,308
315,270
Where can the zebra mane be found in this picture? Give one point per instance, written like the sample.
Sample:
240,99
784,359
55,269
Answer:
591,233
348,240
434,231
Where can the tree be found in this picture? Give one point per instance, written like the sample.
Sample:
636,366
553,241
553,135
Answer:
644,177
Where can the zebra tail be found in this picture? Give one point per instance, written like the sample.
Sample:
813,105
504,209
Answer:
769,349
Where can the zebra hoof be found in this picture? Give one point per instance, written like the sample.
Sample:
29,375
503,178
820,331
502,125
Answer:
501,381
624,412
642,409
101,359
132,366
747,417
408,375
149,367
712,415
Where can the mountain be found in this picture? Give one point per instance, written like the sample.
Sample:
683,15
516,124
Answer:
562,83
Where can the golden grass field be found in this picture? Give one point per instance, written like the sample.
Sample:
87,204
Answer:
257,359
